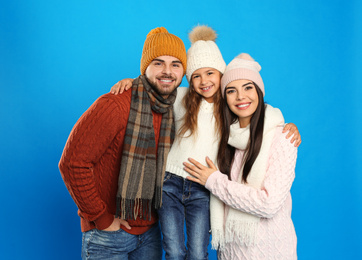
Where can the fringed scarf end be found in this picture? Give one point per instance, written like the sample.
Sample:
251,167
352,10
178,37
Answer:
118,208
133,208
218,239
157,200
243,233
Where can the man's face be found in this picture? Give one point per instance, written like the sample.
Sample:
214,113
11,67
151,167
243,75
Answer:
165,74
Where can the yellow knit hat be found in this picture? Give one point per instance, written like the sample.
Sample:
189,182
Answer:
160,42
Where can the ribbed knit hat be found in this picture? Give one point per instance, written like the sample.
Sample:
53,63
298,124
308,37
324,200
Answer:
203,52
160,42
242,67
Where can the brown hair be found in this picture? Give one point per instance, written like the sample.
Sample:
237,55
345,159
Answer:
226,152
191,102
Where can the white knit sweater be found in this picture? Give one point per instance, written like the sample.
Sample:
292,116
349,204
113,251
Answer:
206,143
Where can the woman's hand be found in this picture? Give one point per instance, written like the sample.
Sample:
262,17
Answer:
199,172
293,130
120,86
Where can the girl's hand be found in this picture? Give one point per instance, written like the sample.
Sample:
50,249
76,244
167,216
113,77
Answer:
120,86
293,130
199,172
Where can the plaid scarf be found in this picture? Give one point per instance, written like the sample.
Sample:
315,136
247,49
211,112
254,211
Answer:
142,171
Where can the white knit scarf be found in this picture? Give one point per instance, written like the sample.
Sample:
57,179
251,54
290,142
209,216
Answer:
241,227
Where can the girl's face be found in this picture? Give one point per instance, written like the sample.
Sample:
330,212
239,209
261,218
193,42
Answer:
206,82
242,99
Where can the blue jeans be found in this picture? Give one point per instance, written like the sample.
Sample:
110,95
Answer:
184,200
98,244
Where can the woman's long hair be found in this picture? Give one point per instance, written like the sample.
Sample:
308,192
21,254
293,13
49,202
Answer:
226,152
191,102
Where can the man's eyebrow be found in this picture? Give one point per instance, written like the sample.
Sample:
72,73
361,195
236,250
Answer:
158,60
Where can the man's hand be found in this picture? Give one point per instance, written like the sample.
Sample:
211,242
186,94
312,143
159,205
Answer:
293,131
116,225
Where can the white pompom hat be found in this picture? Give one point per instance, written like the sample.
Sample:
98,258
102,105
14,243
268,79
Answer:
203,52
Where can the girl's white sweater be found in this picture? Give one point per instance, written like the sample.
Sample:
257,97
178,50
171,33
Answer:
204,143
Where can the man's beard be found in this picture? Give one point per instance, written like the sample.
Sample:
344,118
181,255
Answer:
160,90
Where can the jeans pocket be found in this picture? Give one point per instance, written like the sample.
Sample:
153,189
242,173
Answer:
105,244
168,175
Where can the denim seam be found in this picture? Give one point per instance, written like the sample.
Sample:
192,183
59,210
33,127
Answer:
88,242
168,176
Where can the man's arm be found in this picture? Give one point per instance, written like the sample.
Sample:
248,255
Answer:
293,131
88,141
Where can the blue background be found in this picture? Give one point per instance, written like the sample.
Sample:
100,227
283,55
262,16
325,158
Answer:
57,57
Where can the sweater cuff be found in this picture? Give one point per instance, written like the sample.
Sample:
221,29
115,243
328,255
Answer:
104,221
212,179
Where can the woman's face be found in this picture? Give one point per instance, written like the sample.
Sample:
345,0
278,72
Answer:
206,82
242,99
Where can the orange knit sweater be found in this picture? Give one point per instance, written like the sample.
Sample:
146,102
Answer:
91,159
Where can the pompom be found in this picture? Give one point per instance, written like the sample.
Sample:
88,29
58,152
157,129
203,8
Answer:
245,56
157,30
202,33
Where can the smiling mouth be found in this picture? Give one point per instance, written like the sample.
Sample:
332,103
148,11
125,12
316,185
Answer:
206,89
166,81
243,106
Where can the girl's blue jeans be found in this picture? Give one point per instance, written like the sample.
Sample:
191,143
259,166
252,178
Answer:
184,201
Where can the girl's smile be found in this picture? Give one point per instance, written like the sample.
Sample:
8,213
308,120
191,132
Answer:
206,82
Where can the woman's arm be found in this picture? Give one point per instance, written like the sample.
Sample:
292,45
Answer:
264,202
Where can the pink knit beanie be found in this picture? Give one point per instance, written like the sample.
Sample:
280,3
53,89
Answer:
242,67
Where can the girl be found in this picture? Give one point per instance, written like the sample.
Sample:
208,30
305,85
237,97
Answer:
251,212
199,123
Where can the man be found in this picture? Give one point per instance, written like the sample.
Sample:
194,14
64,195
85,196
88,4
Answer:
113,162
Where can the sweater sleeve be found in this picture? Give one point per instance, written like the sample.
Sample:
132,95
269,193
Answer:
267,201
88,141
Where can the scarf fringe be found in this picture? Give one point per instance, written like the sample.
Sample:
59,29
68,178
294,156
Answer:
243,233
157,200
218,239
133,208
240,233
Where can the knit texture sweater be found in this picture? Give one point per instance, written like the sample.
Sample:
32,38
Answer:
276,238
204,143
91,160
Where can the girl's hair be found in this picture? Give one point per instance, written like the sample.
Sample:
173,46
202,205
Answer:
226,152
191,102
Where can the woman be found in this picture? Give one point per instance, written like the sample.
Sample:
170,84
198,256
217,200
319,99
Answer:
251,212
